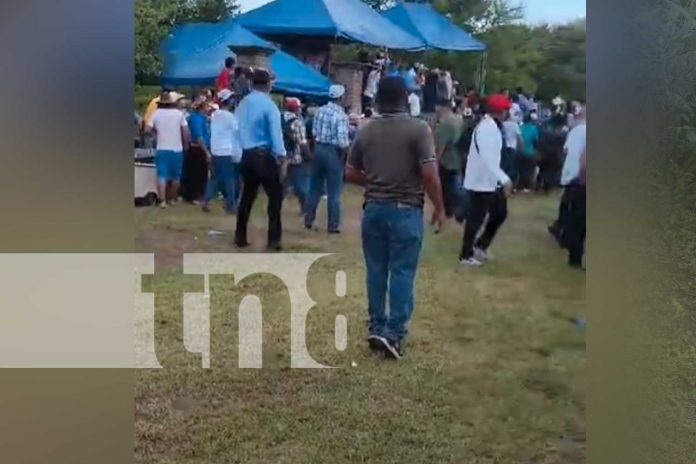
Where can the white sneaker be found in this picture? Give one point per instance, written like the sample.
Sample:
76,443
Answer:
164,205
471,262
324,197
482,255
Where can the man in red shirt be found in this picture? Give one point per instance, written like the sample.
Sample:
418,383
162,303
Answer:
224,80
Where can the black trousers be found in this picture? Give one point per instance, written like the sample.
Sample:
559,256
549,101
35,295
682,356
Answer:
558,227
194,176
482,204
259,168
450,182
525,171
575,225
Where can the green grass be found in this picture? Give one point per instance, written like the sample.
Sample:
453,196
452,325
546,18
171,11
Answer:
494,371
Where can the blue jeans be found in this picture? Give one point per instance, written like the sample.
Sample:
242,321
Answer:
392,235
327,170
298,178
224,177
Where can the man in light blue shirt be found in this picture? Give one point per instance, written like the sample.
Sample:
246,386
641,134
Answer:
263,158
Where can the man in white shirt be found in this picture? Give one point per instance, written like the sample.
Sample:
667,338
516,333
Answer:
371,84
486,183
226,151
170,125
414,104
574,146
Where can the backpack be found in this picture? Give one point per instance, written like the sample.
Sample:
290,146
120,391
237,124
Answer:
288,135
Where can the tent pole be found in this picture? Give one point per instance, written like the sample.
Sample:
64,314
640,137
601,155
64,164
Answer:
482,73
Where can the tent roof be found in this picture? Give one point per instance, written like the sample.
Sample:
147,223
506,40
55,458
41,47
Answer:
349,20
424,22
195,53
198,37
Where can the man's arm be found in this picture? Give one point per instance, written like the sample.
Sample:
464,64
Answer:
355,176
430,174
277,145
355,173
185,133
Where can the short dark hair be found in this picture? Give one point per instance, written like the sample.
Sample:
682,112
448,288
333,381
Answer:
229,62
392,93
261,77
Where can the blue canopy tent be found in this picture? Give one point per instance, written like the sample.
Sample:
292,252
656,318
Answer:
341,20
435,30
194,55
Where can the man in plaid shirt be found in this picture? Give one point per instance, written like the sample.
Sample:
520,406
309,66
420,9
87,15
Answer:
331,134
296,144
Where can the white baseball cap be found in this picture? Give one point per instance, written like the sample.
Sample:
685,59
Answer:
224,95
336,91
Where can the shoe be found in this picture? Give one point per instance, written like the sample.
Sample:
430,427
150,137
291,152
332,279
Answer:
377,344
274,246
393,349
241,243
482,255
310,228
324,197
470,262
205,208
164,205
334,232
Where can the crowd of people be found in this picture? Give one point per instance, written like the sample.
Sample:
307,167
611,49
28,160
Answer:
468,153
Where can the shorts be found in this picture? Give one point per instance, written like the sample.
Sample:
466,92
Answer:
169,165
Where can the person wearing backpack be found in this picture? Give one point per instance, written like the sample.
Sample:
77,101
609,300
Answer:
487,183
297,147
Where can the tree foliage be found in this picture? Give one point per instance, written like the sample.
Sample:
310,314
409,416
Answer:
154,19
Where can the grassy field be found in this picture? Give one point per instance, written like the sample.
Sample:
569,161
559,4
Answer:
494,371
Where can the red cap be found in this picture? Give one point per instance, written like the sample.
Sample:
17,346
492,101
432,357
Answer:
293,104
497,103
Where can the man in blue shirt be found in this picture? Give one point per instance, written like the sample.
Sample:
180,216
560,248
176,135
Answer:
195,172
331,133
263,158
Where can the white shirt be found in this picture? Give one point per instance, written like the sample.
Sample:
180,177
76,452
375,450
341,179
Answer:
372,83
574,146
168,123
511,130
224,135
483,172
449,84
516,113
414,105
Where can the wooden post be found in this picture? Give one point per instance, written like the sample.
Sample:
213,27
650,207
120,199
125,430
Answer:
350,76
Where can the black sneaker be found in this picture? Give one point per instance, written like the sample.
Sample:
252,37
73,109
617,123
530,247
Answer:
277,246
394,350
377,344
241,243
334,232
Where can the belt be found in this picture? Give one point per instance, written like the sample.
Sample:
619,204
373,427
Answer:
262,150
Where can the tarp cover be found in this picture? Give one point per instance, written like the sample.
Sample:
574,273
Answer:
195,54
422,21
350,20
